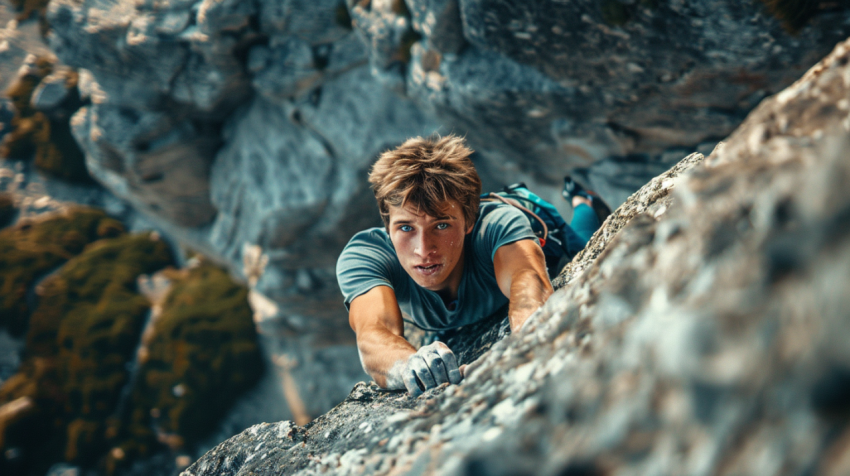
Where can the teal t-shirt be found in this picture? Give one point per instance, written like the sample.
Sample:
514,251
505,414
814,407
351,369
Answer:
370,260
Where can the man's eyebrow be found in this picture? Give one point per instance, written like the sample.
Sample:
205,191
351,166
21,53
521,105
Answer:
401,221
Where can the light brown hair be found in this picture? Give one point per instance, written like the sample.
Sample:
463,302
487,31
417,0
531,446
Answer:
427,173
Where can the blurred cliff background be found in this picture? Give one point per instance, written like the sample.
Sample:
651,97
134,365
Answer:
179,177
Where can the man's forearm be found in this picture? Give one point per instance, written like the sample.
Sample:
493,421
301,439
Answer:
380,350
528,292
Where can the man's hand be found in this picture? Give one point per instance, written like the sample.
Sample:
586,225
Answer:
431,366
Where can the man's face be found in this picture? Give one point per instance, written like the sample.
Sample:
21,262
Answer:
430,248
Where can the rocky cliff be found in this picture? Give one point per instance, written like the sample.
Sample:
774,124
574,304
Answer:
703,331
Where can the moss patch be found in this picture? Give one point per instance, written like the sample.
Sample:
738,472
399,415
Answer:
34,134
34,247
202,355
82,334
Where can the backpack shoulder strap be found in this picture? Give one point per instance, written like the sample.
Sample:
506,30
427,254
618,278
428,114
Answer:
512,202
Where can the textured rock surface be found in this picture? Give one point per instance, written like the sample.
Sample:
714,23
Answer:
702,332
101,384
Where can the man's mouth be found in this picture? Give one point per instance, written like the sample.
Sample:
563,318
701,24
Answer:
428,269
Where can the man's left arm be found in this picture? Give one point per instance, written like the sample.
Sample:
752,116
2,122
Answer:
521,273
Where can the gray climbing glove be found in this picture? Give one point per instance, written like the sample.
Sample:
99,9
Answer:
431,366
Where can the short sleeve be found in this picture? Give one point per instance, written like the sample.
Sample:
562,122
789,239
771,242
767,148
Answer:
368,260
501,224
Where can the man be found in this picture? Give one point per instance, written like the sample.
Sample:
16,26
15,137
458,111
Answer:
443,259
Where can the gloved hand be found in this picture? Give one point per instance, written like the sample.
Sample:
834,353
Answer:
430,366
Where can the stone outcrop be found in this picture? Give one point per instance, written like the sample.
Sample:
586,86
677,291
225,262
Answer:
198,353
703,331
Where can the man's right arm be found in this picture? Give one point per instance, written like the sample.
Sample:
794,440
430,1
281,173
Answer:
385,354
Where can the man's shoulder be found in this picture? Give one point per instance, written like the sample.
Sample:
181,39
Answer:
369,245
495,211
498,224
497,215
375,234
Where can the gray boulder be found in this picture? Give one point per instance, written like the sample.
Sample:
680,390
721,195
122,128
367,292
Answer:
156,161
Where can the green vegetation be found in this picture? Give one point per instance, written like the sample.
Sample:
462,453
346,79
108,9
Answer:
7,209
792,13
32,248
84,330
201,351
203,354
36,135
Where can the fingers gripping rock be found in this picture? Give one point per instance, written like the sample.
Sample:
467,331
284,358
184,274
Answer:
431,366
412,383
437,367
452,369
420,366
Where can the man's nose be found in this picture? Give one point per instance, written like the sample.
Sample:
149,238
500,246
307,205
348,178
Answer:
424,245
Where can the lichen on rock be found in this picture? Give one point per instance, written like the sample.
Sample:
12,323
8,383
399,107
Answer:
36,246
81,334
40,129
200,353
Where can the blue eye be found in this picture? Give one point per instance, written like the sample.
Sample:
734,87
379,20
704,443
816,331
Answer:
405,228
442,226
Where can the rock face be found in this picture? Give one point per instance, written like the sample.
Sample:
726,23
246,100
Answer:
703,331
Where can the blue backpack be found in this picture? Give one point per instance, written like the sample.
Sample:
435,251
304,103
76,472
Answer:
559,242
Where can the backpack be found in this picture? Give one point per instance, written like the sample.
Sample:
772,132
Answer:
559,242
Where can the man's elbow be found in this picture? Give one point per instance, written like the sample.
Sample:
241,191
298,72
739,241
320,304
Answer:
532,279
